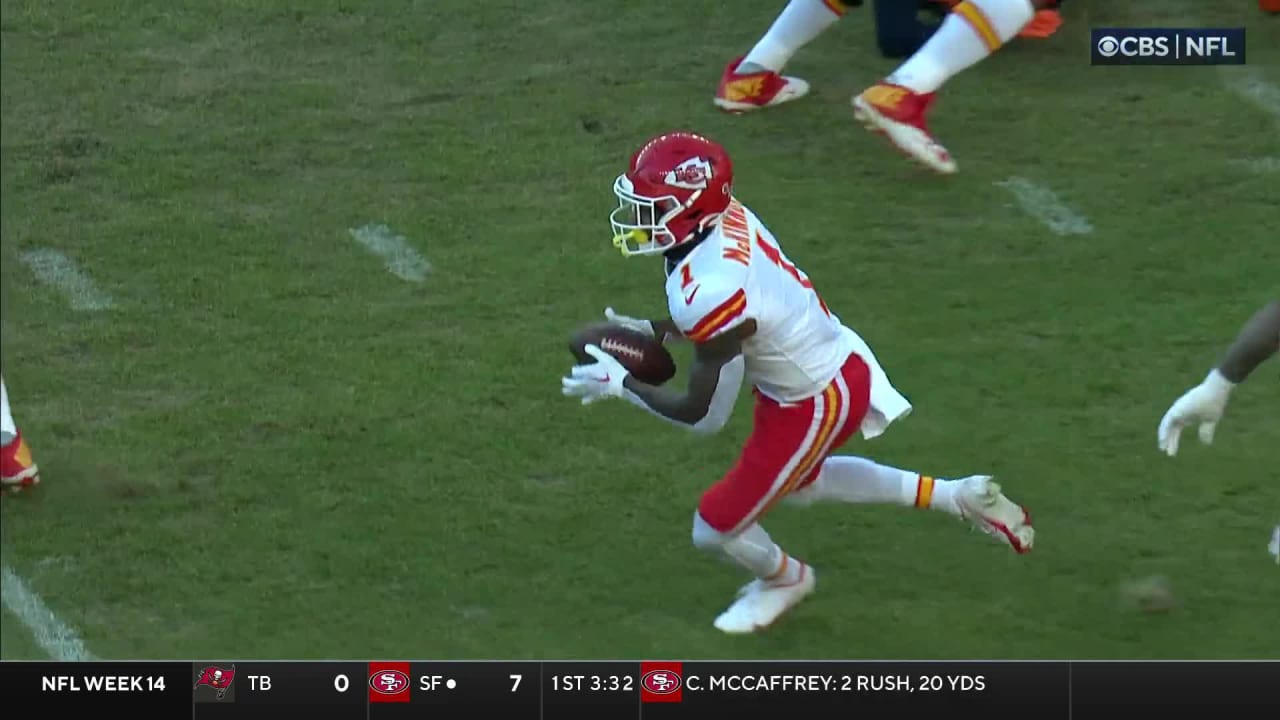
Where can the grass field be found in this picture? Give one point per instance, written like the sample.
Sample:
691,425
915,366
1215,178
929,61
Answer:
270,446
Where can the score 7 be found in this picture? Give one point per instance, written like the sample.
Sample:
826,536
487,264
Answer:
515,682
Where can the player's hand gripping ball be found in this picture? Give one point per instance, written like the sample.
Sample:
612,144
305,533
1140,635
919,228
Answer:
644,357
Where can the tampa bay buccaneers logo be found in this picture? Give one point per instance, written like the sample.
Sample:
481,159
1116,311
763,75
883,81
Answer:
217,678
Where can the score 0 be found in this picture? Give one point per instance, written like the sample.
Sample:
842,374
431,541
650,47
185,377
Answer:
341,682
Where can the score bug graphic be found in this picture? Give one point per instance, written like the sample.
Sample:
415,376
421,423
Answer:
389,682
661,682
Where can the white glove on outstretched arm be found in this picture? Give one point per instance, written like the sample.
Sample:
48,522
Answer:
1202,404
598,381
630,323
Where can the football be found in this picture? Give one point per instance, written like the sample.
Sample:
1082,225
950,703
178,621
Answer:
642,356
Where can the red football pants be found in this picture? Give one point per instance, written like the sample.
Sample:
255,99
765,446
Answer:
786,448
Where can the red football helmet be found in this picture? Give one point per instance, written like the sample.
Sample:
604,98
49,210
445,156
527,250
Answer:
677,185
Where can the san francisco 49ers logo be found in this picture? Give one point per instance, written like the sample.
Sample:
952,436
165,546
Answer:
660,682
692,174
388,682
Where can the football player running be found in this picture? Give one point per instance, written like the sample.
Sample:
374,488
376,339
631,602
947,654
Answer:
17,469
897,106
752,314
1205,403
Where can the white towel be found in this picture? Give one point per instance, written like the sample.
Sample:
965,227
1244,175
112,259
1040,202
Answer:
887,404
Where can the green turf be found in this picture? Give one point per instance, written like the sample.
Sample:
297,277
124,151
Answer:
16,640
271,447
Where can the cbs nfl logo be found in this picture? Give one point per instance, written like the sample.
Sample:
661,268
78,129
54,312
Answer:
1167,46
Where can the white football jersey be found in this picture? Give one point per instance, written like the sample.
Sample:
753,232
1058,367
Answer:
739,272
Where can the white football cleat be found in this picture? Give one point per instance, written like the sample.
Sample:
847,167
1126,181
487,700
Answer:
982,504
899,114
17,469
744,92
760,603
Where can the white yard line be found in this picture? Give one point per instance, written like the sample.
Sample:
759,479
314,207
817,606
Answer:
60,272
54,636
1250,84
1042,204
1261,165
401,259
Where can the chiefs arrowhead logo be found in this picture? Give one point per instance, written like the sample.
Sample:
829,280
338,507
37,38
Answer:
692,174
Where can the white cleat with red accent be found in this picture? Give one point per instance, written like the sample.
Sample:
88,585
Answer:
899,114
760,603
744,92
17,469
982,504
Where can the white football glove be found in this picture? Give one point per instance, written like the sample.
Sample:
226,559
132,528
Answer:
598,381
630,323
1202,404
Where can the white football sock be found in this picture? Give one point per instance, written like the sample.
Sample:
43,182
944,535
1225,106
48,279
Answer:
852,479
800,22
973,30
6,419
752,548
756,551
